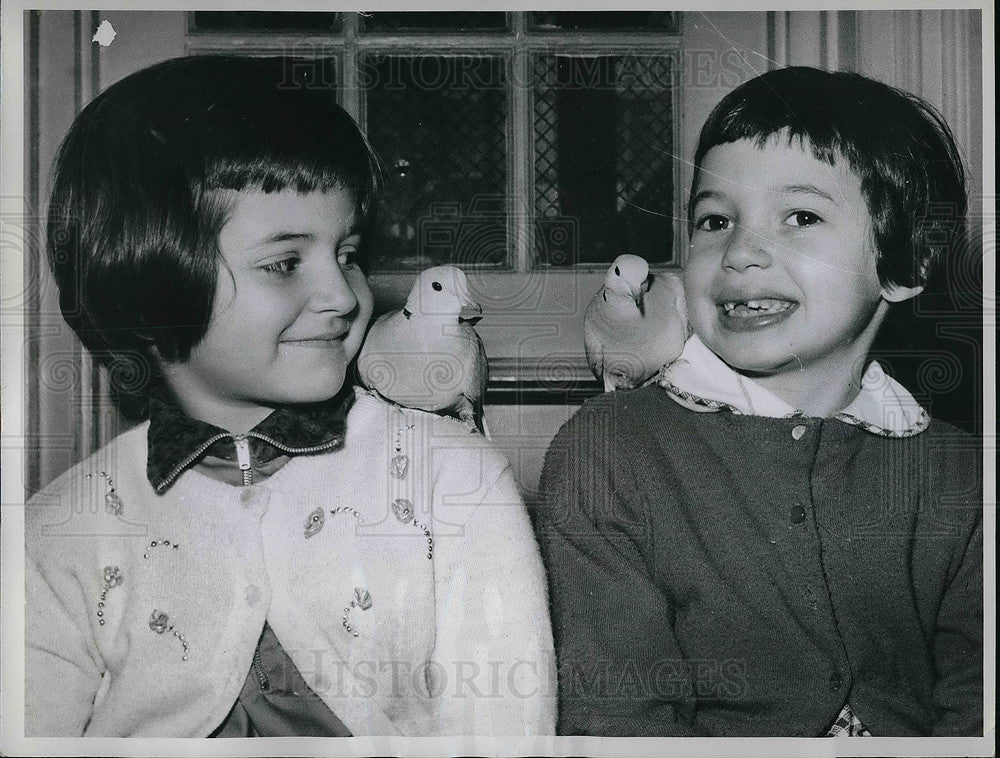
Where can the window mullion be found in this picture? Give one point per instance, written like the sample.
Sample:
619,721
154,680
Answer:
520,161
352,95
520,147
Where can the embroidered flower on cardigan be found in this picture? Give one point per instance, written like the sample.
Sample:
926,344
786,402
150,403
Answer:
314,522
113,576
363,600
113,504
402,509
159,622
398,466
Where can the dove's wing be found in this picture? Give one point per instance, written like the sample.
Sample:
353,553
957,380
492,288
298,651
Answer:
666,318
594,335
617,356
481,375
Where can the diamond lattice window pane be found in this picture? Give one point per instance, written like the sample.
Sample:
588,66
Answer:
604,151
437,123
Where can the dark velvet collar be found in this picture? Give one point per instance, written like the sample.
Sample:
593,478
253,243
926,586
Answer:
176,441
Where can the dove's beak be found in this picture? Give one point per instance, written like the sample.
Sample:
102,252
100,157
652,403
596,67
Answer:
639,293
470,312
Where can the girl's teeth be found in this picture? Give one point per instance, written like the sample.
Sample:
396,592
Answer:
754,307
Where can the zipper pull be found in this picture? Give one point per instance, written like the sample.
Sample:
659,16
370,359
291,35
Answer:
243,458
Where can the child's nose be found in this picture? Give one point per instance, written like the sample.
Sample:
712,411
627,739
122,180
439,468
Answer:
746,247
331,291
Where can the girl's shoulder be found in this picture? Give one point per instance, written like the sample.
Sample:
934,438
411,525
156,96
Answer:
445,443
645,410
373,416
86,498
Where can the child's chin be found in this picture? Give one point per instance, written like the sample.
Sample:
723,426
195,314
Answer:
317,392
750,362
755,367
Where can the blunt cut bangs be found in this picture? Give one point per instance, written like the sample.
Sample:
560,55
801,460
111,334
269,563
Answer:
897,145
135,212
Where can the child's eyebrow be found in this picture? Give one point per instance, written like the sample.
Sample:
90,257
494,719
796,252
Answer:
287,237
705,195
278,237
804,189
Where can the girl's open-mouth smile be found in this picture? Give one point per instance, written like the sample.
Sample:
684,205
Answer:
748,315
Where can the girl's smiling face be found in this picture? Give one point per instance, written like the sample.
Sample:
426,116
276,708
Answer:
781,277
291,307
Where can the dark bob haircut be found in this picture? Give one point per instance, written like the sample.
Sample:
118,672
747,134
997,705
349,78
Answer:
134,221
897,145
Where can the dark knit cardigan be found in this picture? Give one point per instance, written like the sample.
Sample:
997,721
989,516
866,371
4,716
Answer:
716,574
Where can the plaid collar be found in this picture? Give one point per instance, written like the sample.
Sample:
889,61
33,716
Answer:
176,441
700,381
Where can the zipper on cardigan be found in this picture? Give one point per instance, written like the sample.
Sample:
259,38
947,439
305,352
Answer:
243,454
289,449
258,669
243,458
187,461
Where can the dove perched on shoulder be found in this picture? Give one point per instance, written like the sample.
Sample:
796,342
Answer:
428,355
636,323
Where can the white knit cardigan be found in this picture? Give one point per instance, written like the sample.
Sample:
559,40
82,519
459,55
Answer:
410,595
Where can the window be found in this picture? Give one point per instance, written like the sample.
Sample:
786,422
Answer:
511,141
529,148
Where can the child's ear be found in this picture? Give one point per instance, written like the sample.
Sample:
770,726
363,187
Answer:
895,293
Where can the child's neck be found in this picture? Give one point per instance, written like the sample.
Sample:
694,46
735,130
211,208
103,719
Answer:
235,415
235,418
816,393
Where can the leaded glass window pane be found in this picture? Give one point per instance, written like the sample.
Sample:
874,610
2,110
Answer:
255,21
653,21
433,21
438,124
604,156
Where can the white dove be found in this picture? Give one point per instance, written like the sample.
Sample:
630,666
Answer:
428,355
636,323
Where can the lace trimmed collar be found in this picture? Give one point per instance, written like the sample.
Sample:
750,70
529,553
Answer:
700,381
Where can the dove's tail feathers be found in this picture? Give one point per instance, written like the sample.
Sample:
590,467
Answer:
475,420
472,414
621,380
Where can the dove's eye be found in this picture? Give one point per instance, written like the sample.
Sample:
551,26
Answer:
617,272
436,286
